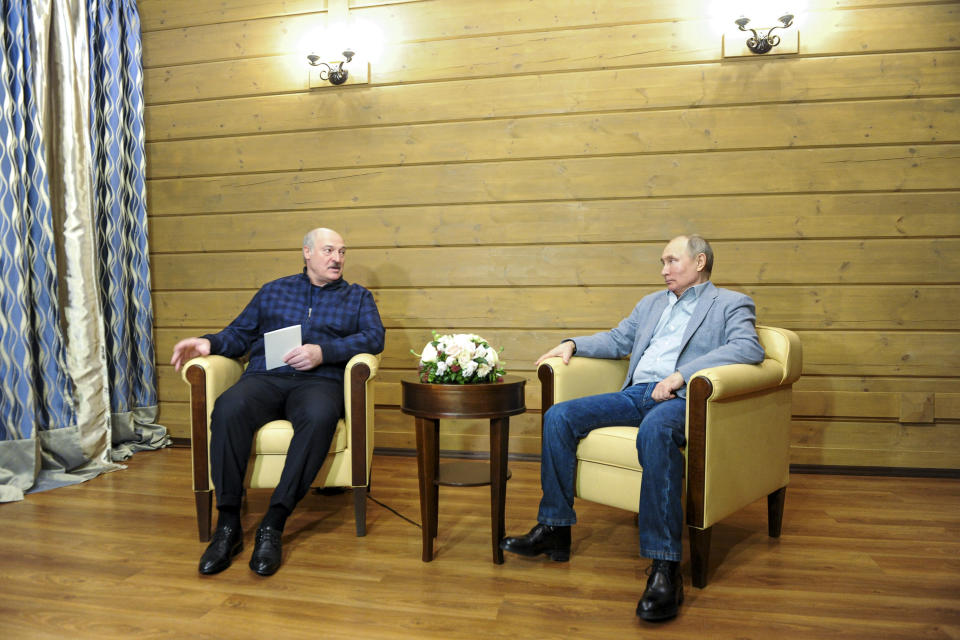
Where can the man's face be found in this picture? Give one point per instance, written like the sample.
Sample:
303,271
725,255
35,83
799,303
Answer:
325,260
680,271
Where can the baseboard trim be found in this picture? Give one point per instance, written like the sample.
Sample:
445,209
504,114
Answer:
811,469
897,472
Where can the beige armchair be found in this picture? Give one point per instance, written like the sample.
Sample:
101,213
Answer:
347,463
738,438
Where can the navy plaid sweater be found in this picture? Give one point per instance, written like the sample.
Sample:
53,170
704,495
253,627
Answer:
340,317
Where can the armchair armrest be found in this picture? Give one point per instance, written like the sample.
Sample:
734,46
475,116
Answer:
212,375
738,437
582,377
731,380
781,366
358,411
208,377
355,367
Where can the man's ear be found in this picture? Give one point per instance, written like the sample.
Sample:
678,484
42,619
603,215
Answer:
701,261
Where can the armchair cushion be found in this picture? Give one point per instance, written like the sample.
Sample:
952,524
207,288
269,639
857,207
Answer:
608,471
274,438
615,446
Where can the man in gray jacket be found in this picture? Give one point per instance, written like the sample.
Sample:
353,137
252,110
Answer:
669,335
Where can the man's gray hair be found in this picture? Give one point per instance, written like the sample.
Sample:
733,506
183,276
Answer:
697,245
311,237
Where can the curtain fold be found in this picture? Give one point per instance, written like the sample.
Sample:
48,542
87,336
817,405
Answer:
76,341
116,92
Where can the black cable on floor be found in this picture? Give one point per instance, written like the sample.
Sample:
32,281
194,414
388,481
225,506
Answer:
395,512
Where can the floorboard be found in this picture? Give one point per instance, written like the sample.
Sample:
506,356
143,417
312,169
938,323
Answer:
116,557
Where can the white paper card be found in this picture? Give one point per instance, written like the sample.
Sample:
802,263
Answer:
279,343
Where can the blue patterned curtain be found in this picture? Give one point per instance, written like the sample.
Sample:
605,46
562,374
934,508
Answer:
37,394
116,114
76,343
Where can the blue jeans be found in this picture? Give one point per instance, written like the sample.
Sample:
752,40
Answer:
659,442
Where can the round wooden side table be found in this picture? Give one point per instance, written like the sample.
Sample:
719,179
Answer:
429,403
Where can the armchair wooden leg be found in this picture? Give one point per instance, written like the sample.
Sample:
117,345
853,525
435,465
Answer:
204,500
360,509
699,555
775,511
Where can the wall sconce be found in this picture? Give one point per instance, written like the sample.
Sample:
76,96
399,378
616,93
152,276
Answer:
334,73
330,49
761,40
758,43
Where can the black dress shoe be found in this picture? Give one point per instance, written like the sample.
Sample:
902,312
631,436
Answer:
543,538
664,593
226,542
266,551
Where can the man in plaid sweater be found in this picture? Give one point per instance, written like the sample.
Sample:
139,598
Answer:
338,320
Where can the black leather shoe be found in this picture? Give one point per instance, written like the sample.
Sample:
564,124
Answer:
226,543
266,551
664,593
543,538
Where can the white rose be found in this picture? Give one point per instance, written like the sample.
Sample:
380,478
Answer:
450,361
441,368
490,355
449,346
484,370
469,369
429,353
462,342
464,357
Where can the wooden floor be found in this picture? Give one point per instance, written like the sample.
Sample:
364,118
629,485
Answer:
116,557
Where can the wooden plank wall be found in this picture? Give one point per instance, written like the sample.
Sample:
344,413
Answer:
515,167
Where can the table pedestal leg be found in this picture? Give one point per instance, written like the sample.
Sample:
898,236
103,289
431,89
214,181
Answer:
499,439
428,453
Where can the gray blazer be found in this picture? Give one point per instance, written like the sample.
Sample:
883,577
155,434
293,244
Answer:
721,331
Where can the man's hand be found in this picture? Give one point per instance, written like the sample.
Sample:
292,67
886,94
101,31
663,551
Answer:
563,350
304,357
189,348
666,387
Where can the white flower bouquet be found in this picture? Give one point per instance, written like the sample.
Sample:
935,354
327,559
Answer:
462,358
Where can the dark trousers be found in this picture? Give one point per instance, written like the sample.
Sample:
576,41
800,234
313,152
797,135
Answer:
312,405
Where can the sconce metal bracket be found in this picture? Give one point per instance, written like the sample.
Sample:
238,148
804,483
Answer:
735,45
358,72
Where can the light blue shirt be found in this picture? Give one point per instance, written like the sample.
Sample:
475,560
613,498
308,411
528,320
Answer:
660,358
